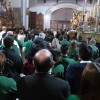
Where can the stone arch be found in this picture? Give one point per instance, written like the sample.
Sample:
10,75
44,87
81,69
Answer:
59,6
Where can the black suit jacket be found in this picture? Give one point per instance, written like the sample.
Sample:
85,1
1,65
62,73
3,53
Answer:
73,76
42,87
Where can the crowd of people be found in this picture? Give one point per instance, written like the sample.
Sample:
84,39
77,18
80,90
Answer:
49,65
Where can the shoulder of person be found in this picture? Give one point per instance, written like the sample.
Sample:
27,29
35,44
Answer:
73,97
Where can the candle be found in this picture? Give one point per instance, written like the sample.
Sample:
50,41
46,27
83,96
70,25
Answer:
91,12
85,2
98,3
98,11
87,16
95,11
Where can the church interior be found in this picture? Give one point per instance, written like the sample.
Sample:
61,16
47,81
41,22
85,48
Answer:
66,30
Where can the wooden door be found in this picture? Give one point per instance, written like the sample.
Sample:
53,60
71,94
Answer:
32,20
39,21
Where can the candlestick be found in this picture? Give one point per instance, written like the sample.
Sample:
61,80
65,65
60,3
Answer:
85,2
95,11
98,10
91,12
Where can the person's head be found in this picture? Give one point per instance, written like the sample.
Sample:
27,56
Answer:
8,41
56,53
79,38
42,35
4,28
92,41
2,61
21,31
73,44
64,49
10,33
43,61
16,32
29,36
85,52
90,82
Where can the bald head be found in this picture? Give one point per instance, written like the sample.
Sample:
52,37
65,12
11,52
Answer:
4,28
43,60
43,55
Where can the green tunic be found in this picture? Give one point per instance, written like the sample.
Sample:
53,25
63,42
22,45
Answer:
65,42
28,46
73,97
66,61
14,47
7,87
58,70
19,43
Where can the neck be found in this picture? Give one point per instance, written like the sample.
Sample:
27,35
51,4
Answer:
49,72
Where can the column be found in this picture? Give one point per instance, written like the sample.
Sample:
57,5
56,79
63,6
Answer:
47,21
98,8
23,12
25,16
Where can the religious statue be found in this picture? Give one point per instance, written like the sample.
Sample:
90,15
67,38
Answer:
76,21
6,14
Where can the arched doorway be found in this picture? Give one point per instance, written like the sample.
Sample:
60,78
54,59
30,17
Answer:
60,19
49,12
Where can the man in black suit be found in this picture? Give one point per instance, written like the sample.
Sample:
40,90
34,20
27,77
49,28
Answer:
41,85
74,71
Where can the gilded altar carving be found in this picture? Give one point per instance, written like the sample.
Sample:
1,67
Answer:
6,15
96,36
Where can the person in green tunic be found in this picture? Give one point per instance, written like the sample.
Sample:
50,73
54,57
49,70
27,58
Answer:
73,50
58,69
64,59
92,43
73,97
7,85
27,45
65,41
16,39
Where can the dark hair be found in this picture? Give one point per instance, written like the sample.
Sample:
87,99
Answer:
16,31
79,38
85,51
35,48
8,41
64,49
29,36
56,53
90,82
43,66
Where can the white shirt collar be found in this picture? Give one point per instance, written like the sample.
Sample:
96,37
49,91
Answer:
85,61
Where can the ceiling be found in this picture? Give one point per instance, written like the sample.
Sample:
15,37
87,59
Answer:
69,1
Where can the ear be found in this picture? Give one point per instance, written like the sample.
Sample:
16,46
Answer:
79,57
52,64
33,63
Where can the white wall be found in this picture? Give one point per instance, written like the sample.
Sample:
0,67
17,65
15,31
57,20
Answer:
63,14
15,3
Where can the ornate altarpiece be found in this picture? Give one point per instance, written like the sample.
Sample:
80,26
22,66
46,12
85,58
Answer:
6,15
